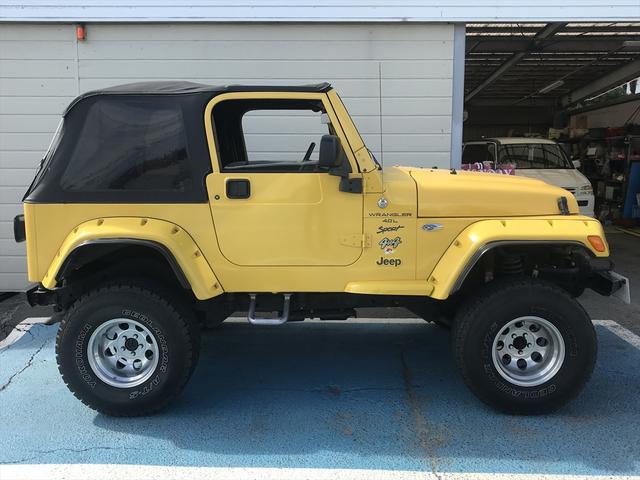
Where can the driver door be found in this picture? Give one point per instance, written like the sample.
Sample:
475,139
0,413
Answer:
271,205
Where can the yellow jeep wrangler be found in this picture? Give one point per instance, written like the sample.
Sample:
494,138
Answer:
150,217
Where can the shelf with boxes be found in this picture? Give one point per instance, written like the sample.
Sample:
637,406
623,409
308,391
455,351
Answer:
610,159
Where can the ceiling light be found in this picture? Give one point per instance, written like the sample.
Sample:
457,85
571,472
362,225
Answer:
551,86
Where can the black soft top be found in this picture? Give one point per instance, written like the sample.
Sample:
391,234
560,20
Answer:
191,88
136,143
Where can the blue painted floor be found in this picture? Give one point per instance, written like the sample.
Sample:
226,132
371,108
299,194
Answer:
333,395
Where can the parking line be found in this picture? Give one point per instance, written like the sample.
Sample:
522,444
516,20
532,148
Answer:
149,472
21,329
625,334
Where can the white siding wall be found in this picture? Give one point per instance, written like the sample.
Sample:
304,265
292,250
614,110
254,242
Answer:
42,68
37,81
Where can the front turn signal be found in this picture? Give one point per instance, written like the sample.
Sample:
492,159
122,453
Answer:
597,243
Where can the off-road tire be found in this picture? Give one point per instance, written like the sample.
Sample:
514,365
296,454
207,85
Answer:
484,316
169,319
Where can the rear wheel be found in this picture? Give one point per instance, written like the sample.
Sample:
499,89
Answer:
524,346
127,350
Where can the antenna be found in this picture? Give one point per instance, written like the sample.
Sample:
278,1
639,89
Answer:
380,112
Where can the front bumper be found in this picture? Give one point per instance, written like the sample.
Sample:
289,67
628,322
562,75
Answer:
596,274
586,205
610,283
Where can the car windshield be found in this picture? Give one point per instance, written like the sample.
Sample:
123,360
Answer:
533,155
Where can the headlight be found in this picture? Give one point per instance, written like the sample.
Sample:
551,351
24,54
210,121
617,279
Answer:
585,190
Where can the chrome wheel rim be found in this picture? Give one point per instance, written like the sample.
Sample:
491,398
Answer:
528,351
123,353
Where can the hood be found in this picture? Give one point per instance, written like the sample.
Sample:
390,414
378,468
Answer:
475,194
560,177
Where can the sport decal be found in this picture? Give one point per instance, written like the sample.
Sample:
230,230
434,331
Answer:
384,229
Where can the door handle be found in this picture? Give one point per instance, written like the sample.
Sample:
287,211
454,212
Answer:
238,188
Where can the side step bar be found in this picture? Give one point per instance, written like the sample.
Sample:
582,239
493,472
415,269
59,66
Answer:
268,321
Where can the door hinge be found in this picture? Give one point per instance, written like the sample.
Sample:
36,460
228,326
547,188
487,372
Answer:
357,240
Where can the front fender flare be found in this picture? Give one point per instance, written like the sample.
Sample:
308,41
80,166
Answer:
169,236
480,236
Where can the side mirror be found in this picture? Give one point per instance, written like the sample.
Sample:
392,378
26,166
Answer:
330,152
576,163
333,159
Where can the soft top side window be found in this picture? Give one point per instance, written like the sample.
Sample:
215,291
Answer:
129,144
269,135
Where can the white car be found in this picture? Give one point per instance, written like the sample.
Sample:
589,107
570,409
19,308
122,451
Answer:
534,158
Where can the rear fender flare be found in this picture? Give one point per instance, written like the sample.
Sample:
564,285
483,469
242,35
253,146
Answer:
178,247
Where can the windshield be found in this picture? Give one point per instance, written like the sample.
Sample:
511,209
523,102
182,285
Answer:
533,155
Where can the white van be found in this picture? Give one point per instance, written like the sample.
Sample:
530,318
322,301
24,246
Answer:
534,158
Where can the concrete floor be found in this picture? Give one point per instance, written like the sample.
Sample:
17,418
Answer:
14,309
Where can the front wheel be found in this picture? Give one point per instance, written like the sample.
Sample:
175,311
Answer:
524,346
127,349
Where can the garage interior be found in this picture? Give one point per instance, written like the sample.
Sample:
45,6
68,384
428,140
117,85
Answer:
576,83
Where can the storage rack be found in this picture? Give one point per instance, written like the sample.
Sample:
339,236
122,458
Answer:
606,161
